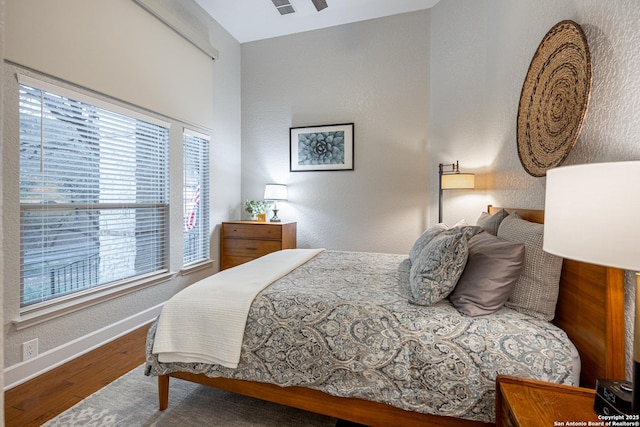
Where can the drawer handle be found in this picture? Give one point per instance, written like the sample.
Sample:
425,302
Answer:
251,249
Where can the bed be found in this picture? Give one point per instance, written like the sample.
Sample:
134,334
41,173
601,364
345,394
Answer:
291,367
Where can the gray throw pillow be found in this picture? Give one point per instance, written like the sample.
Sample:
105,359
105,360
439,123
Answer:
492,270
437,269
536,292
491,223
425,238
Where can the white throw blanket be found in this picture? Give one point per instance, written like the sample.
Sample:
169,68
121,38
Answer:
205,322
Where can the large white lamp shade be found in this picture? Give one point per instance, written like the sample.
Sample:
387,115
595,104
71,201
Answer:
591,215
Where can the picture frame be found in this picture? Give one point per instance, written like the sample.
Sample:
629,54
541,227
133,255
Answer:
321,148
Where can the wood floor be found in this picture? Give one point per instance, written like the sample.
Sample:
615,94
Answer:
44,397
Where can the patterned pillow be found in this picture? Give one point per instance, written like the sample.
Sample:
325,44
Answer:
536,292
437,269
492,270
425,238
491,223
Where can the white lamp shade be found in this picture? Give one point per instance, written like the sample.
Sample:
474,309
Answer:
275,192
591,212
458,181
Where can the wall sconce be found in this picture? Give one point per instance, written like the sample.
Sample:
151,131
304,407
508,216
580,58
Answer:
275,192
453,180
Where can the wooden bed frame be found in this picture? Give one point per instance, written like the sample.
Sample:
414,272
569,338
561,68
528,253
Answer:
590,309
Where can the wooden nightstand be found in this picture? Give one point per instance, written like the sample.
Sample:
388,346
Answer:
523,402
242,241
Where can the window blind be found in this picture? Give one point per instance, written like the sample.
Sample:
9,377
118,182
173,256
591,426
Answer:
94,194
196,197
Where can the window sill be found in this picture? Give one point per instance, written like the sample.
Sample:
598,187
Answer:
32,316
196,267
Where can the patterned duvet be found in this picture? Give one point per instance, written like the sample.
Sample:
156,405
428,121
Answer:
342,324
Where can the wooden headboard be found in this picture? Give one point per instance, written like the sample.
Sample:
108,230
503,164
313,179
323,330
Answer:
590,310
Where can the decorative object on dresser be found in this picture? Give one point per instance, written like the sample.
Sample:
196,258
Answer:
453,180
524,402
554,99
256,207
242,241
321,148
273,193
580,201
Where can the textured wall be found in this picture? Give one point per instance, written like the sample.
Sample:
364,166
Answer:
373,73
481,51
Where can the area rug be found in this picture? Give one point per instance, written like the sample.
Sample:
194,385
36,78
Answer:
132,401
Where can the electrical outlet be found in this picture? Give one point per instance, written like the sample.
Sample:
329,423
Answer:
29,349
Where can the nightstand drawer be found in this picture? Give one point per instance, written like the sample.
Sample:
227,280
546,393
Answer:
244,231
252,248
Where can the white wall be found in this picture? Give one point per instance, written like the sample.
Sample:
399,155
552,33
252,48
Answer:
216,110
480,54
373,73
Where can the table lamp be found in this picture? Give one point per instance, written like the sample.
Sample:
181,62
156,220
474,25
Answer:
590,215
275,192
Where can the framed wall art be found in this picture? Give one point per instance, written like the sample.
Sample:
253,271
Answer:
321,148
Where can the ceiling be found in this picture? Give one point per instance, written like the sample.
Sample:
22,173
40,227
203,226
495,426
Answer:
250,20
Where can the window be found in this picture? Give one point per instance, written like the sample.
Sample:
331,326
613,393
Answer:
196,197
94,194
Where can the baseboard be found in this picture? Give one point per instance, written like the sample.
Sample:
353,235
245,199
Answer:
24,371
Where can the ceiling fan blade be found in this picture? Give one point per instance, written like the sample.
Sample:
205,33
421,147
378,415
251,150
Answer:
319,4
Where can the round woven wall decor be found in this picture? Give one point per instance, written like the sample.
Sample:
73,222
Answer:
554,98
